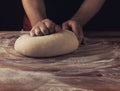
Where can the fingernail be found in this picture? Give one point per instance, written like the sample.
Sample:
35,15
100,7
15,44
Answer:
45,32
37,31
31,34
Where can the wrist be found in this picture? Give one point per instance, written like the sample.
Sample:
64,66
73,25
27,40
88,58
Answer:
77,20
34,21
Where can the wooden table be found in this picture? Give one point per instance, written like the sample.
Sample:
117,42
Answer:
93,67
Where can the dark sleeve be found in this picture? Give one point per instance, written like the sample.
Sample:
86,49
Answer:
62,10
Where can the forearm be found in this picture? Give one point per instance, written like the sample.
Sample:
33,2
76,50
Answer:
87,10
35,10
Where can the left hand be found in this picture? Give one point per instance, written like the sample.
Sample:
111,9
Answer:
75,26
44,27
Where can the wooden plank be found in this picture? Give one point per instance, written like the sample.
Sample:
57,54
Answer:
93,67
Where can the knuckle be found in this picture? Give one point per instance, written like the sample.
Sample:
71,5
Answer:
44,31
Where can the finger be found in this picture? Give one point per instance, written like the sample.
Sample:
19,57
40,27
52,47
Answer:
65,26
57,28
75,29
50,26
32,33
44,29
78,31
81,35
38,32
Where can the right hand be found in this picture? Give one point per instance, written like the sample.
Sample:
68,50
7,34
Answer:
44,27
74,26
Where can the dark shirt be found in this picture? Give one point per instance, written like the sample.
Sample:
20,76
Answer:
62,10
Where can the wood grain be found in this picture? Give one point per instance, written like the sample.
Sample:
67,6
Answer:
93,67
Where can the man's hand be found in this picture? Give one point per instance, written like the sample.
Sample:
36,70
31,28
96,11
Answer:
44,27
75,26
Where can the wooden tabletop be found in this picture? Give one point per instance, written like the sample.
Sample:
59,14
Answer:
93,67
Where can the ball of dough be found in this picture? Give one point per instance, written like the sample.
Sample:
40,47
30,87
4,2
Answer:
55,44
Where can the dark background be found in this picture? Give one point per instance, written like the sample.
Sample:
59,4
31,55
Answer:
11,16
108,19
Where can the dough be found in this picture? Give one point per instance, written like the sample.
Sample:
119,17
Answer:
55,44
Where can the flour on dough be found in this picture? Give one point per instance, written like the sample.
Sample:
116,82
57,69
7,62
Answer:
55,44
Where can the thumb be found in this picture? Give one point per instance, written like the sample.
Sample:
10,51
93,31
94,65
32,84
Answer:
65,26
